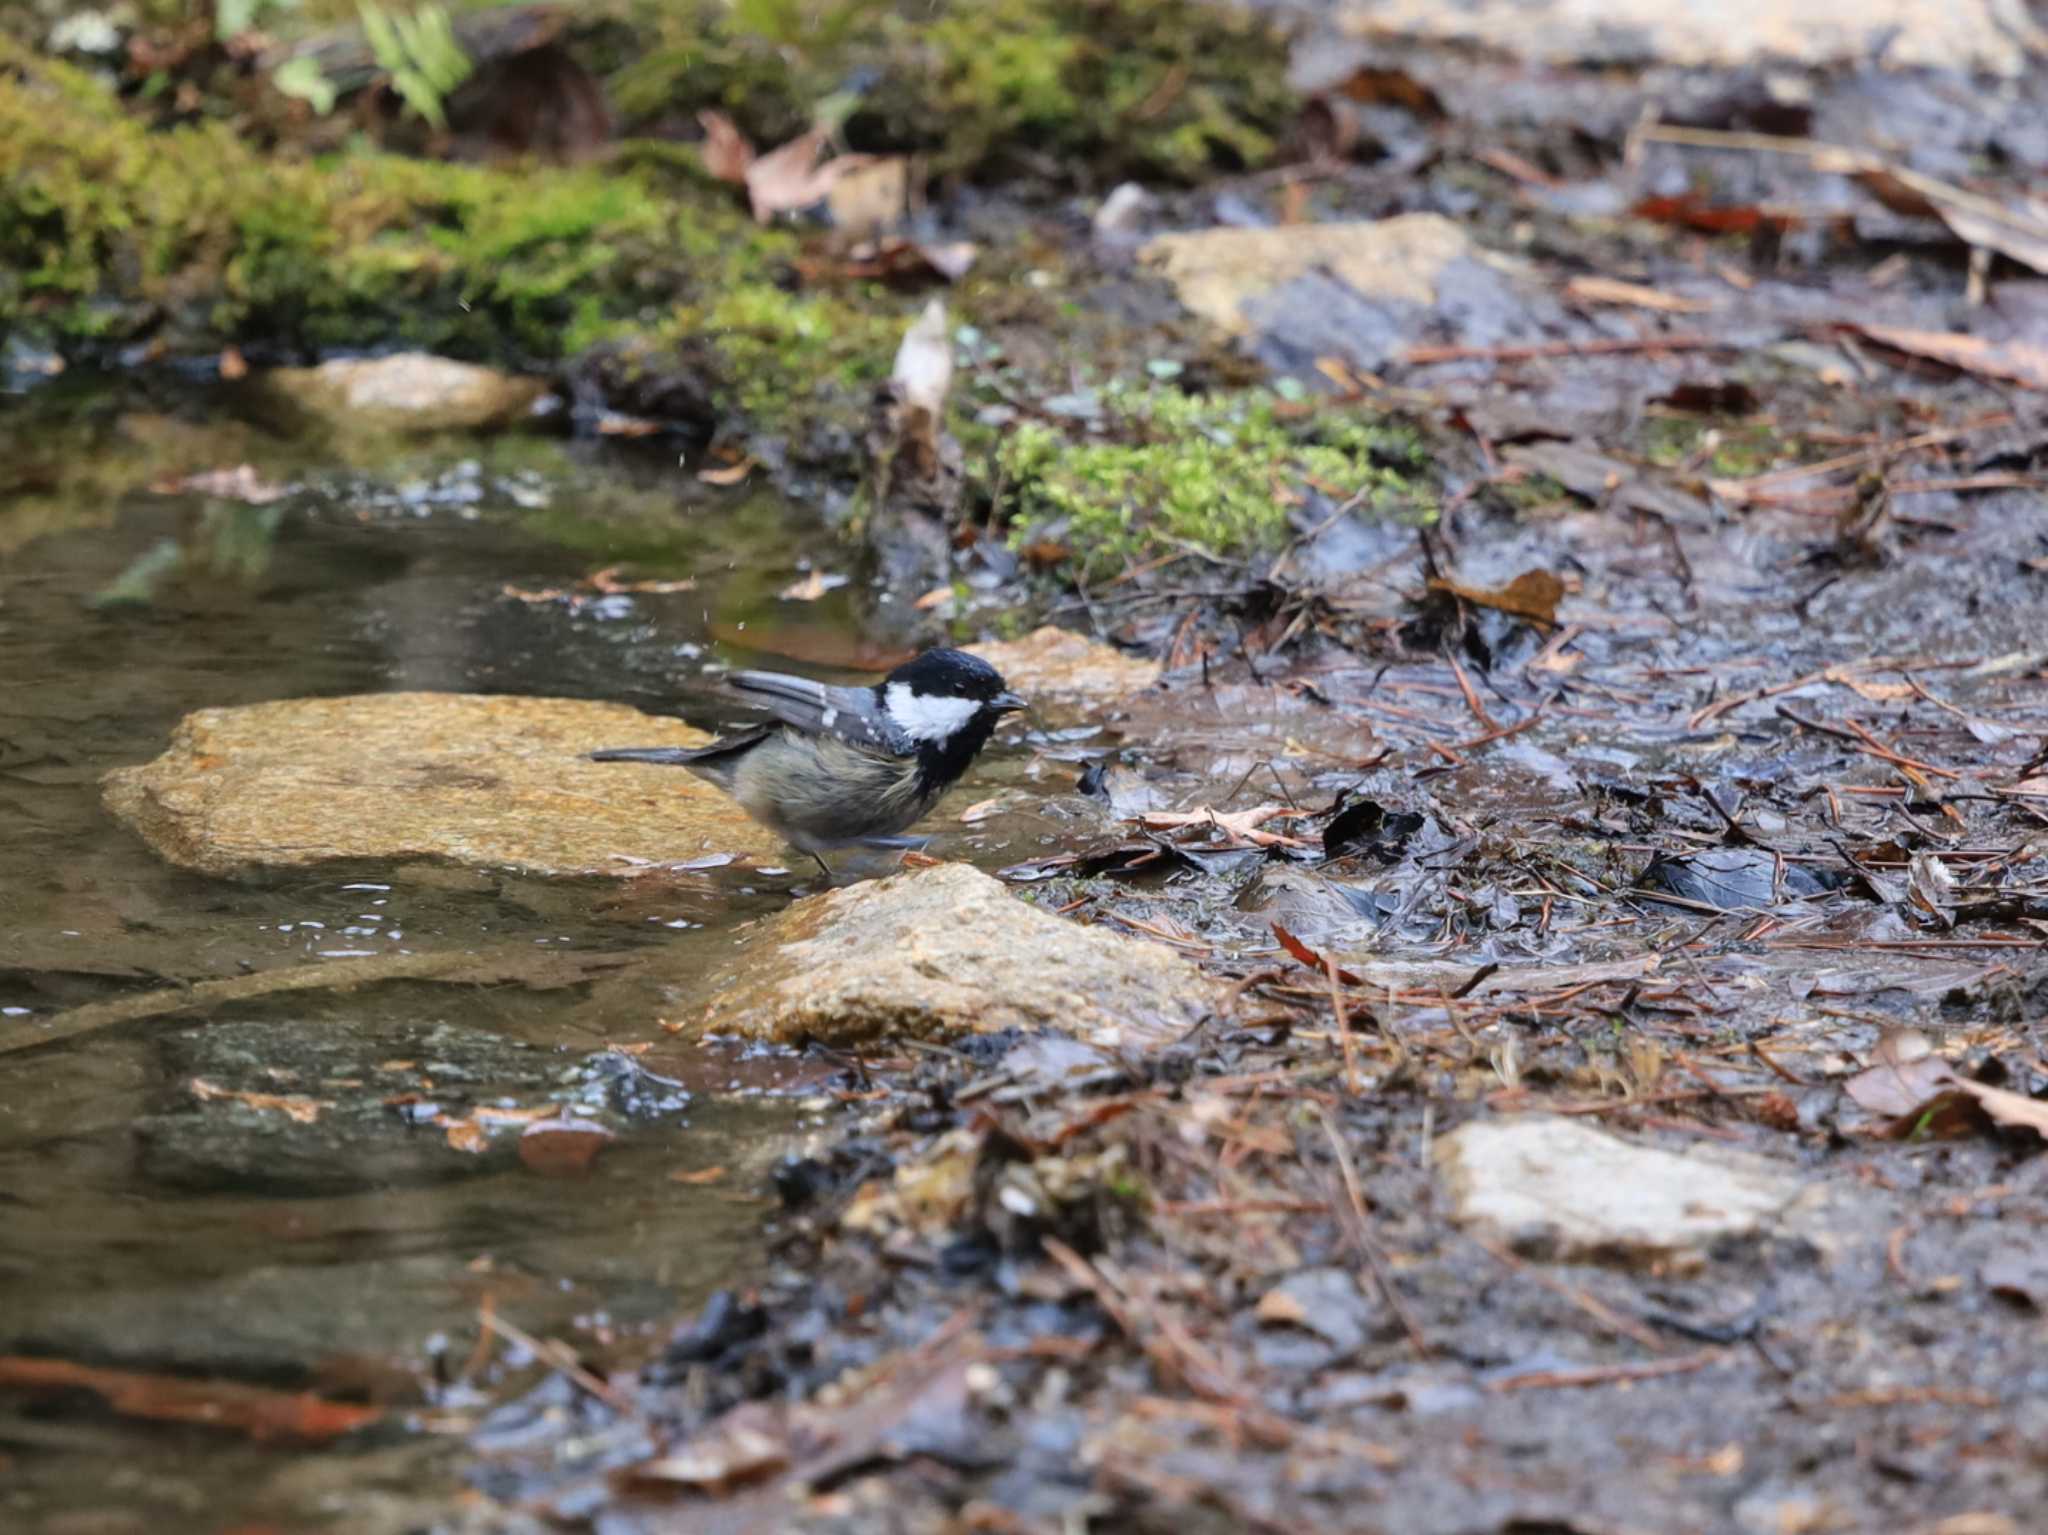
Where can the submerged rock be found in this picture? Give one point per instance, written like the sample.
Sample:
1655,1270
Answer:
276,1106
487,781
1577,1192
1058,664
409,391
948,950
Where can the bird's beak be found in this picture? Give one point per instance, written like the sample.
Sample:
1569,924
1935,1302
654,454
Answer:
1006,703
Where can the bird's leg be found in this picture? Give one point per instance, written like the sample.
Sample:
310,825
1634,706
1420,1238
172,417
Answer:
825,867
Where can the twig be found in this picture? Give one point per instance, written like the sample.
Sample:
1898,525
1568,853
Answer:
1597,1309
1856,735
1417,356
1351,1084
1361,1236
559,1356
1601,1375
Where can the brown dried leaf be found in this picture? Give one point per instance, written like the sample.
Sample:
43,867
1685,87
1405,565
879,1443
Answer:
257,1411
727,154
2021,362
727,474
811,587
299,1110
562,1148
1612,290
789,179
1277,1307
241,483
870,198
1240,825
1533,595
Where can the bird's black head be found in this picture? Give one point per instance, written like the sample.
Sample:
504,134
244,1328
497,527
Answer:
949,674
946,702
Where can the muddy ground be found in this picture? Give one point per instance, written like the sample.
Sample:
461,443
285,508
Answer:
1645,729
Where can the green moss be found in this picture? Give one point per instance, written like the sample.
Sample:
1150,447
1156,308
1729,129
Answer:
110,230
1086,89
1215,474
1741,448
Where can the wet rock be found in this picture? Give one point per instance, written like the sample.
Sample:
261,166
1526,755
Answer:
1058,664
271,1105
477,780
1363,292
1966,35
409,391
948,950
1398,259
1314,908
1577,1192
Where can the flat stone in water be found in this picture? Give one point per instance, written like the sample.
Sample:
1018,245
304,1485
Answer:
943,951
1578,1193
1050,663
487,781
409,391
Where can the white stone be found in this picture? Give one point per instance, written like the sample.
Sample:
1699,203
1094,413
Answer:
1582,1193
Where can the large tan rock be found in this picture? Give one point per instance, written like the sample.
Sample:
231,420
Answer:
1577,1192
1060,665
493,782
948,950
1401,259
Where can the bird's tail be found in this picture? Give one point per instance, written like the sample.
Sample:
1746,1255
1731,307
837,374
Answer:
665,756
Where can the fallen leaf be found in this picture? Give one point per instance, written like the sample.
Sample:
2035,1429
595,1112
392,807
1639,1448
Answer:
562,1148
812,587
1612,290
923,371
241,483
1533,595
299,1110
608,582
260,1413
1309,957
727,154
727,474
789,179
697,1175
465,1135
1277,1306
2021,362
872,197
937,597
1241,825
617,424
233,365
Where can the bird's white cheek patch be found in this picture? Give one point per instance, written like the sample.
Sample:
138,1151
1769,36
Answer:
925,716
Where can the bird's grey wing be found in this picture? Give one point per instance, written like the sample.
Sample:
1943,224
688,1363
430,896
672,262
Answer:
851,715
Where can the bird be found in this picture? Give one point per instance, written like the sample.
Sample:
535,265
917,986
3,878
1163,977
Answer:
848,766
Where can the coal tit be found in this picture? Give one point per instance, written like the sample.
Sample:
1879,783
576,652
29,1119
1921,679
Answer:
839,767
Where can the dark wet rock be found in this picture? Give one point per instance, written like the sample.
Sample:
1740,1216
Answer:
276,1106
1567,1190
1732,879
1313,907
409,391
948,950
473,779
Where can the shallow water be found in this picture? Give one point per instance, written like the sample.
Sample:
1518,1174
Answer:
391,565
